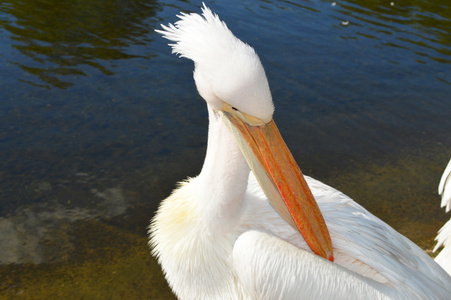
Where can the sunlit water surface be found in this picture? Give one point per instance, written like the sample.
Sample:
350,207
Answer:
99,121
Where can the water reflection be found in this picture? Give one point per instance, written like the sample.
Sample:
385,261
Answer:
60,38
39,233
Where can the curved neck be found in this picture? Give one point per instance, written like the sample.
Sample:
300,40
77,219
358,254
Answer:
224,177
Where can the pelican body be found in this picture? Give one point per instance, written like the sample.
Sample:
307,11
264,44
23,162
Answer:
250,225
444,235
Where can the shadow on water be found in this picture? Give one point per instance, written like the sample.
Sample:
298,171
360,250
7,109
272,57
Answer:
59,37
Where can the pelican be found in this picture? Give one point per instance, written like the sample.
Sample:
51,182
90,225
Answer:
272,233
444,235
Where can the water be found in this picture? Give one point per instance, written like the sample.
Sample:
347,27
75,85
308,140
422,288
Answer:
99,121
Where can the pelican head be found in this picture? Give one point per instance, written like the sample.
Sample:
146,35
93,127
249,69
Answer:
227,71
230,78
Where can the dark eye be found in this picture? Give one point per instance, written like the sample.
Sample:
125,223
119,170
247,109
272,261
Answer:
234,108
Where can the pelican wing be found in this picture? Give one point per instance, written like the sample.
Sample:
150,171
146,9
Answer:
444,239
371,258
444,188
444,234
357,234
271,268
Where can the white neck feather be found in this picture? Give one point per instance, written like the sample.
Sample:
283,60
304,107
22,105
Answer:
224,177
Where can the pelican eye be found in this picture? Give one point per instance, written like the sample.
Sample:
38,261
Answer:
234,108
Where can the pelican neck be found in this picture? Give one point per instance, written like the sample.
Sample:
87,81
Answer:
224,177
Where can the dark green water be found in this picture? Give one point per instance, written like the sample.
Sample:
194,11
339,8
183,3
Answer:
98,121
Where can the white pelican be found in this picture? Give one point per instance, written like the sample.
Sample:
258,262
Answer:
444,235
227,233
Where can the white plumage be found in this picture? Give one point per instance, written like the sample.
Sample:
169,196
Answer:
444,235
218,237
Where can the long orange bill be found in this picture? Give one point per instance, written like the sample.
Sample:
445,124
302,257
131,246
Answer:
282,181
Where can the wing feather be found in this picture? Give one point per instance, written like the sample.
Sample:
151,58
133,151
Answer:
368,239
444,188
271,268
372,256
